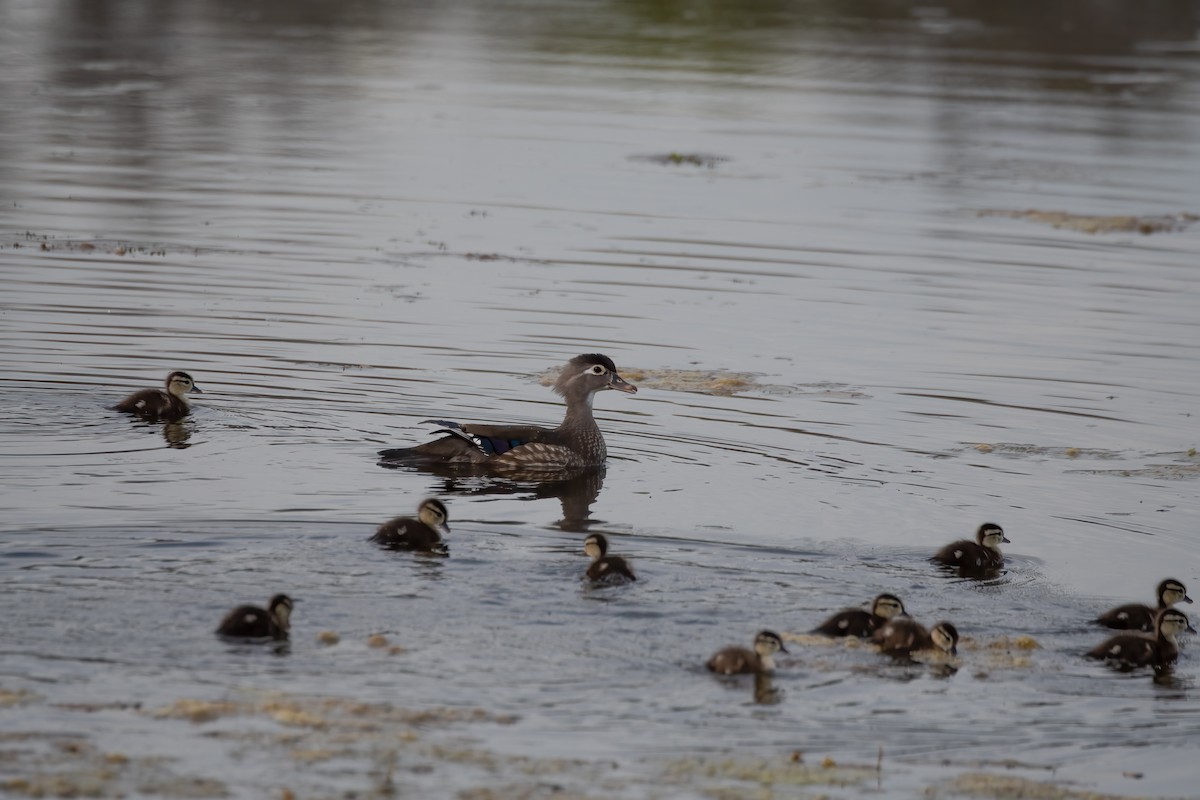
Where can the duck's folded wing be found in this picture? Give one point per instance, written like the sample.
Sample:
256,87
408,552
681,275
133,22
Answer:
468,442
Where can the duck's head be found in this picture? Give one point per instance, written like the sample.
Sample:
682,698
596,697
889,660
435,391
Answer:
180,383
281,608
767,643
945,638
887,606
433,514
595,546
1171,621
587,374
991,535
1171,592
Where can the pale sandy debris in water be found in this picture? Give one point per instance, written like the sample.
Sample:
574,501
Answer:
721,383
1004,787
1092,223
328,638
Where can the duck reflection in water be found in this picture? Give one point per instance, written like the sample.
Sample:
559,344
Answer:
177,434
577,490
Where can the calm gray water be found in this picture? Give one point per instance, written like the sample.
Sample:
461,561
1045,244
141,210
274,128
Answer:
346,218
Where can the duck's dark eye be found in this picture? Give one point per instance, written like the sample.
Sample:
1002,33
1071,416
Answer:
597,369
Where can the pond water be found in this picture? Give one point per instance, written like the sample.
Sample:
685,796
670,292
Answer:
344,219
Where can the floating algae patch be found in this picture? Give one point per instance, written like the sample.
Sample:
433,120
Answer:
715,382
677,159
1089,223
1013,450
762,777
1162,472
1004,787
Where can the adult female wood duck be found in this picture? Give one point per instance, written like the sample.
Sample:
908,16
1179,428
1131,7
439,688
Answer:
423,533
155,404
904,636
741,661
978,558
860,622
254,622
1140,617
605,567
1131,650
575,443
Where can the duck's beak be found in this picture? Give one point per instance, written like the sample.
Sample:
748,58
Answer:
615,381
197,389
1187,599
954,650
783,649
1005,539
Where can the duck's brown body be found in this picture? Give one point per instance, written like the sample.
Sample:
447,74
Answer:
860,622
905,636
166,406
1132,650
423,533
605,568
575,444
254,622
742,660
980,558
1140,617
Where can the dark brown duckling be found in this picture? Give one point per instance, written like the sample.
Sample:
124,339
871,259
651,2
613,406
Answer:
155,404
575,444
742,661
1132,650
1139,617
605,567
254,622
977,558
860,622
423,533
904,636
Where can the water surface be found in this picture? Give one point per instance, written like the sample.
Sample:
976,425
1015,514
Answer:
346,220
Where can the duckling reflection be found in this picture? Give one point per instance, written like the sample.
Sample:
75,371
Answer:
765,691
177,434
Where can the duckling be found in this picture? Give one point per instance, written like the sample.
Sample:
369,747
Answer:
254,622
741,661
575,444
155,404
605,567
975,558
1131,650
423,533
861,623
1139,617
905,636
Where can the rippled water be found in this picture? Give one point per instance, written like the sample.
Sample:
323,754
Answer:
344,221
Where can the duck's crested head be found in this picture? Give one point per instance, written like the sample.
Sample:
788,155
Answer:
595,545
887,606
433,513
1172,591
589,373
1170,621
945,637
991,535
767,643
180,383
281,608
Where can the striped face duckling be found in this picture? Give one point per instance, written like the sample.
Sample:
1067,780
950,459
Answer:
860,622
253,622
1139,617
978,558
1132,650
155,404
904,636
423,533
605,567
742,661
